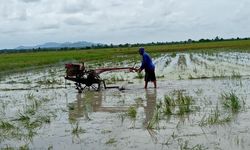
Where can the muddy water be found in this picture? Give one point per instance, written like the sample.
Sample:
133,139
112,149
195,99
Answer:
99,120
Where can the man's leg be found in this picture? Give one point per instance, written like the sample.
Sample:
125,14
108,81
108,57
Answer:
155,85
146,85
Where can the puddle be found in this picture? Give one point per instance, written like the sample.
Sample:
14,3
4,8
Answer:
39,110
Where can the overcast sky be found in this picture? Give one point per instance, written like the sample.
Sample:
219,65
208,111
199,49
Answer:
32,22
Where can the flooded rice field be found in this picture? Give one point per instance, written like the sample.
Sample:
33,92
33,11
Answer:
202,102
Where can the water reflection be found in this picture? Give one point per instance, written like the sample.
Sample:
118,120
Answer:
79,108
151,102
145,110
91,101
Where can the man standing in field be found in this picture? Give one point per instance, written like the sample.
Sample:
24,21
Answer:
149,67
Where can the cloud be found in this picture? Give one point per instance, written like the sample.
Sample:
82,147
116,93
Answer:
30,1
119,21
76,21
49,26
77,6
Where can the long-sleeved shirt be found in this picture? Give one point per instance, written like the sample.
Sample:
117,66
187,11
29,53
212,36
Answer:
147,63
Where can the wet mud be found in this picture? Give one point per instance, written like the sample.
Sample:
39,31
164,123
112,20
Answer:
39,110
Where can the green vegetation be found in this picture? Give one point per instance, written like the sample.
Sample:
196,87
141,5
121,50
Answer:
19,61
231,101
215,118
6,125
139,75
132,112
184,145
181,101
178,105
25,124
154,122
111,141
76,129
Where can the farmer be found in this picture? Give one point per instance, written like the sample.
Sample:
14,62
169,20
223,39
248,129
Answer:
149,67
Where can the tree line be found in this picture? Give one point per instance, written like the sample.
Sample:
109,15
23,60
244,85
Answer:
101,46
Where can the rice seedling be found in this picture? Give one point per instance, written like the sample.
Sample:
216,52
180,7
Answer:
231,101
154,122
48,82
235,75
160,76
33,107
3,107
168,61
122,116
30,96
45,99
190,77
6,125
50,147
132,112
11,82
31,124
106,131
22,117
8,148
196,147
76,129
215,118
173,55
24,147
139,75
183,103
44,119
184,145
169,103
71,106
111,141
180,77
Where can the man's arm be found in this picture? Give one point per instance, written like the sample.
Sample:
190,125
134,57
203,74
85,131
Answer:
143,63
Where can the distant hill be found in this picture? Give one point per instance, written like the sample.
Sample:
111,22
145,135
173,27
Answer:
54,45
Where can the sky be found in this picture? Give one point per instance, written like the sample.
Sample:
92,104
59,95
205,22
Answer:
33,22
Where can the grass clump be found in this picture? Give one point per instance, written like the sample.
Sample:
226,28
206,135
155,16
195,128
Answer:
184,145
132,112
6,125
169,104
139,75
215,118
76,129
111,141
48,82
231,101
154,122
8,148
236,75
182,102
24,147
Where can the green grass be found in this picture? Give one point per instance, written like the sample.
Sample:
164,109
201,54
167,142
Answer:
10,62
76,129
132,112
215,118
27,121
231,101
139,75
111,141
182,102
5,125
154,122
